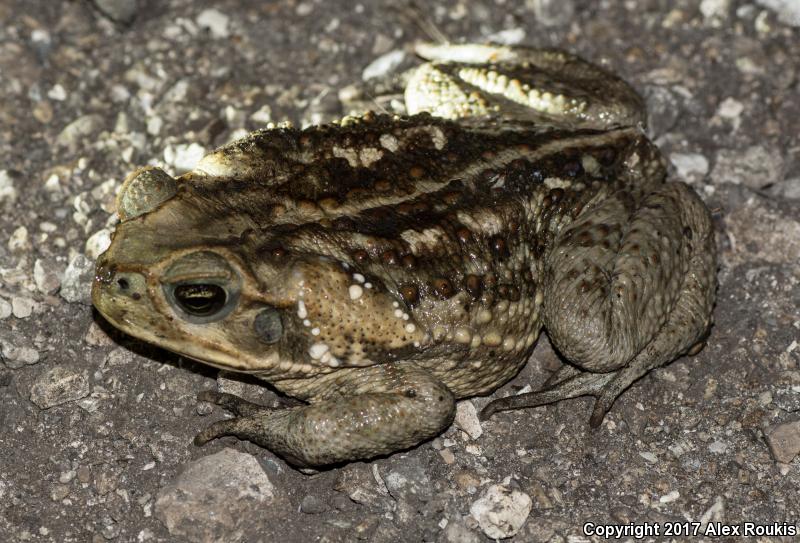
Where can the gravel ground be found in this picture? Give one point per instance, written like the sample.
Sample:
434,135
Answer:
96,427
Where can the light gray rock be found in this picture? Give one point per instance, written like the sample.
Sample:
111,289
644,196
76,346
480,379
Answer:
215,498
358,483
715,9
467,419
46,279
409,481
691,167
98,243
19,240
5,309
788,11
79,130
754,167
790,188
120,11
22,307
312,505
8,191
216,22
76,287
458,532
183,156
784,441
501,511
552,12
59,385
16,356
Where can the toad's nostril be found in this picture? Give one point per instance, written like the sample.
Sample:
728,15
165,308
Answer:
123,283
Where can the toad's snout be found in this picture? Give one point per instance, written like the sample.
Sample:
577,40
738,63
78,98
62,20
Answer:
114,290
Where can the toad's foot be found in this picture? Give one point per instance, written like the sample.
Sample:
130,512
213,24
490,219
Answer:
569,382
367,412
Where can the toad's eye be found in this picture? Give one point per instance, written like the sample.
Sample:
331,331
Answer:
201,300
201,287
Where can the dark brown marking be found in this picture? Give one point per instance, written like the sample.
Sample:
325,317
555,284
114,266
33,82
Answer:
606,156
410,294
556,195
585,239
409,261
573,168
451,198
474,285
443,287
389,257
499,247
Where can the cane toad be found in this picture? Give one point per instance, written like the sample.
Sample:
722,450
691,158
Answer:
383,267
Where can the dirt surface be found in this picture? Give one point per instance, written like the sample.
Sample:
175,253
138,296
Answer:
96,428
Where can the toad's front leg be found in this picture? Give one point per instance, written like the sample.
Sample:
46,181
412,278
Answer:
358,414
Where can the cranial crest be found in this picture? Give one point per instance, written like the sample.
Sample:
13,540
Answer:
143,191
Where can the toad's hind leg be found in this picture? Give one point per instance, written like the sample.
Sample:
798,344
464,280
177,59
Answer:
546,86
629,286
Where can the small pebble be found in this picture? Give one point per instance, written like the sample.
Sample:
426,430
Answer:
80,130
98,243
467,419
691,167
313,505
184,157
22,307
448,456
8,192
57,386
121,11
788,11
59,492
15,356
718,447
45,279
5,309
19,240
215,21
76,285
784,441
501,512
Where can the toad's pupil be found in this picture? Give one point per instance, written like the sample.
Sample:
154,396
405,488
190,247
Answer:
200,299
